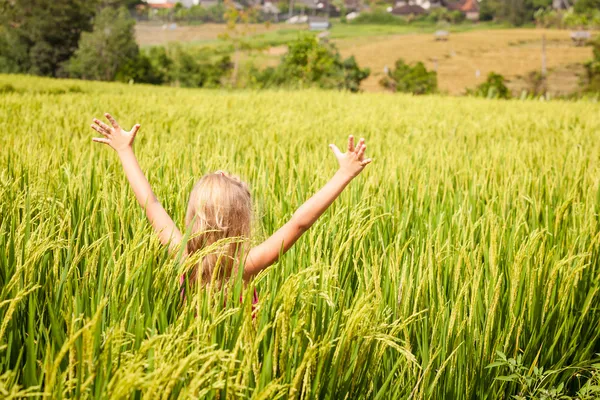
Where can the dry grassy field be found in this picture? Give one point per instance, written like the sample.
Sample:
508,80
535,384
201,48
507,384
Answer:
156,34
511,52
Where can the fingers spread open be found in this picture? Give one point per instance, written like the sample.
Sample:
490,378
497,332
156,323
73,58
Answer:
335,150
361,151
360,143
135,130
350,143
112,121
100,130
366,162
100,140
102,125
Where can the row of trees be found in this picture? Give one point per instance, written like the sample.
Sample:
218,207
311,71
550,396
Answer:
41,36
95,40
519,12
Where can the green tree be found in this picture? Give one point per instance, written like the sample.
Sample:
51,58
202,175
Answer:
408,78
592,68
493,88
586,6
310,62
39,36
108,48
490,10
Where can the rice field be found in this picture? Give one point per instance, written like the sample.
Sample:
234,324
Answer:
476,230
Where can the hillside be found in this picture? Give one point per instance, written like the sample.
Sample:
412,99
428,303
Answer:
511,52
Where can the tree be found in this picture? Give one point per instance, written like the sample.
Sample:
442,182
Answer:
493,88
309,62
109,47
592,68
408,78
238,26
586,6
39,36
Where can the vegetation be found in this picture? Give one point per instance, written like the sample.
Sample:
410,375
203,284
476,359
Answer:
39,39
413,79
475,231
378,17
309,62
111,46
494,87
592,68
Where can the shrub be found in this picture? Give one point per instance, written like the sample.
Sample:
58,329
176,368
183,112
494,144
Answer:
140,70
311,63
378,17
188,71
592,69
110,47
493,88
408,78
533,382
536,83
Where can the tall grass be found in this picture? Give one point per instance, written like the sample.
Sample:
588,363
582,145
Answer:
475,230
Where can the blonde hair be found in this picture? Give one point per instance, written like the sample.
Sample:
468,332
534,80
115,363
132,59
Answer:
220,207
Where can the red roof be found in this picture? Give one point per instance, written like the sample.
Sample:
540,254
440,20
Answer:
463,5
163,5
469,6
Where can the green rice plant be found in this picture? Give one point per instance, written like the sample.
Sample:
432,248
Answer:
475,230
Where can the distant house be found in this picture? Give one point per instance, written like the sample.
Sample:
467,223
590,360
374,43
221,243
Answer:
425,4
158,4
468,7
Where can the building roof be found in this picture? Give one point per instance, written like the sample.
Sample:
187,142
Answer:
470,6
462,5
161,5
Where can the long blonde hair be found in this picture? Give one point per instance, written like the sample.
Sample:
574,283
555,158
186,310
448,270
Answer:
220,207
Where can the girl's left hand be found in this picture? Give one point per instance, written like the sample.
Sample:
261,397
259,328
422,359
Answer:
116,137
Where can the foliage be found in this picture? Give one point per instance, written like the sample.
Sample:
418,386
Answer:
474,229
110,47
493,88
592,68
406,78
379,17
39,37
196,13
534,383
548,18
536,83
441,14
194,69
489,10
309,62
586,6
140,70
516,12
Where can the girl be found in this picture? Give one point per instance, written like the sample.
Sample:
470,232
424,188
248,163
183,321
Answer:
220,207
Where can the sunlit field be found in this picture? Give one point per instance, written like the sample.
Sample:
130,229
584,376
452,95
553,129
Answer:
475,230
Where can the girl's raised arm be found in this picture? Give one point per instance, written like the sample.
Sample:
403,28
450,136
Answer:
351,164
121,141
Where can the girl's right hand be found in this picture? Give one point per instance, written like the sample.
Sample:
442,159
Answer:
352,162
115,137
